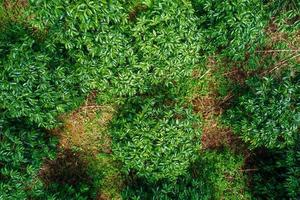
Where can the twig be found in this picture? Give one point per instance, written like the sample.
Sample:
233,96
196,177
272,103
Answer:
281,64
278,50
248,170
226,98
90,107
204,74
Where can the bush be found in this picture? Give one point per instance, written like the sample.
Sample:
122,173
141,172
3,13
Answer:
231,28
36,83
121,57
152,125
154,140
22,150
34,86
277,175
267,115
214,175
70,48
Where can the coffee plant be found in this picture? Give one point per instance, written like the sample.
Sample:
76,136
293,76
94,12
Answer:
267,115
22,150
231,28
154,140
118,56
277,175
213,176
69,54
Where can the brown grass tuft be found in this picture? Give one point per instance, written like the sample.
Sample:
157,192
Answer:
13,5
214,136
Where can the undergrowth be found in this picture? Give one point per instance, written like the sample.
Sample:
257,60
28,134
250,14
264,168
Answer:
149,99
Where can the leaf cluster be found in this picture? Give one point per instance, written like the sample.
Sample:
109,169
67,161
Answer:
267,115
231,28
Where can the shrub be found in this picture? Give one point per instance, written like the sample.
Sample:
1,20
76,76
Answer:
35,86
152,125
277,175
118,56
231,28
22,150
90,34
36,83
69,48
215,175
267,115
154,140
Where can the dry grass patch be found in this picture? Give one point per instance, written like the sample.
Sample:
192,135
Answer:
210,107
85,129
214,136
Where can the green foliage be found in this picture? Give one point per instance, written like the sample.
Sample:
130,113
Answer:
285,14
106,175
69,48
144,57
124,58
155,140
151,126
267,115
22,150
37,83
216,175
289,21
82,191
72,54
89,34
277,6
277,175
292,164
35,86
231,28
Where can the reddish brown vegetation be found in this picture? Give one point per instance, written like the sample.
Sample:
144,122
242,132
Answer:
67,168
214,136
103,197
13,5
210,107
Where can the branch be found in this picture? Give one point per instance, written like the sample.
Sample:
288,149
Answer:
278,50
280,64
248,170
